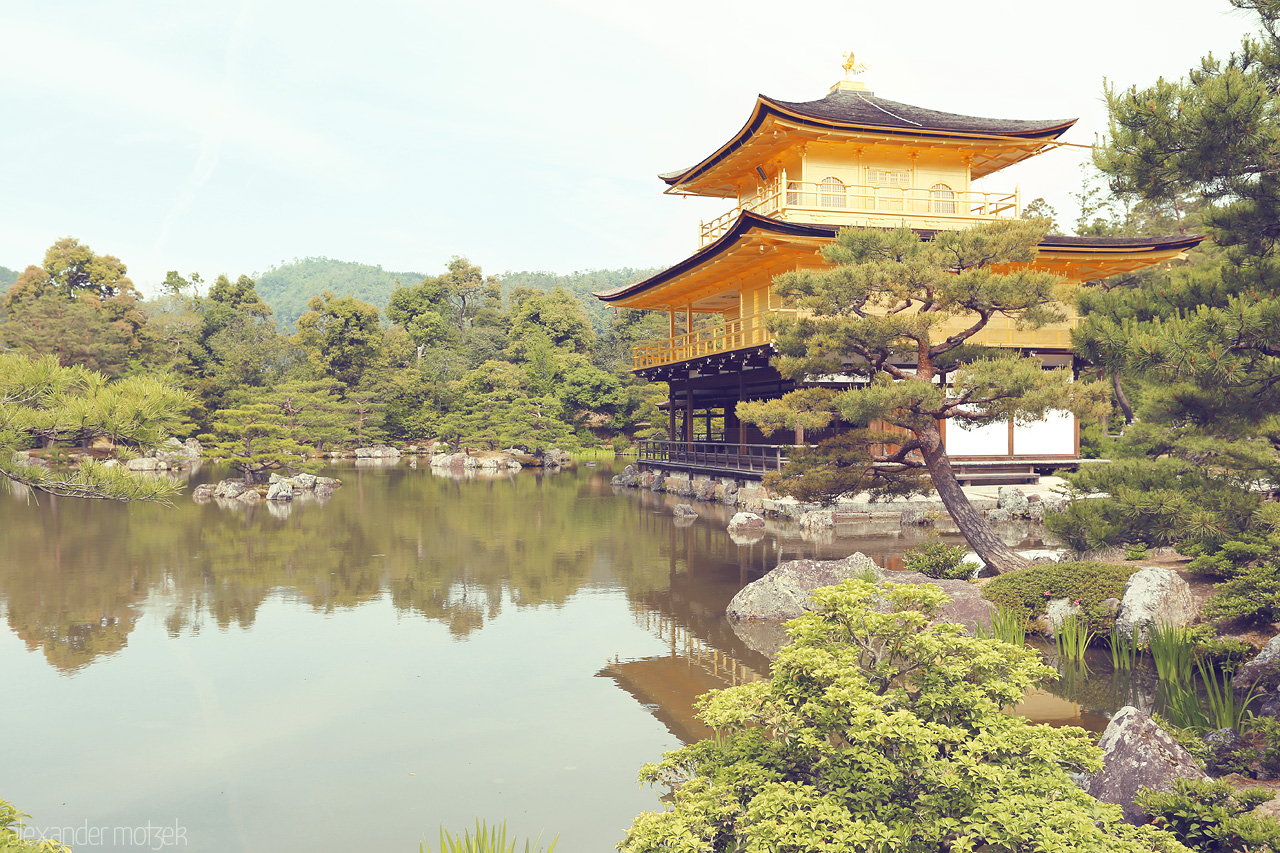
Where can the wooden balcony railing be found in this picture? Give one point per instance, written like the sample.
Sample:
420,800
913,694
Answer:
753,331
708,340
716,455
809,201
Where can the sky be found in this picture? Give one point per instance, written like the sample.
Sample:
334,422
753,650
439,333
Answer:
236,136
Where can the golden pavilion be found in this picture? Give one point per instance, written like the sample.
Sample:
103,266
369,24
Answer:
795,174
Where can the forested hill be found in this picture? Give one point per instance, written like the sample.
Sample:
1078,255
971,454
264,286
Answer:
8,278
288,287
580,284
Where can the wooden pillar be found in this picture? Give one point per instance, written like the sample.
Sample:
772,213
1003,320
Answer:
688,415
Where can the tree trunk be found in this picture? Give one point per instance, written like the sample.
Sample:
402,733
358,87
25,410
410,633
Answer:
984,541
1121,398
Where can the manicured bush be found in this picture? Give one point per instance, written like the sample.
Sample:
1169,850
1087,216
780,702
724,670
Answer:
1254,594
13,838
883,731
939,560
1089,584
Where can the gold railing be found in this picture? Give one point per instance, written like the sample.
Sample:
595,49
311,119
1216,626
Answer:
753,331
708,340
808,199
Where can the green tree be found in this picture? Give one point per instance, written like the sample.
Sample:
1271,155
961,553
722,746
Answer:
341,336
881,731
1205,336
254,438
557,315
40,399
880,306
469,291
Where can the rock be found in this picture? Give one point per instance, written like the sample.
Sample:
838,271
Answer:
817,519
998,515
1227,751
280,491
704,490
380,451
684,510
111,463
202,492
1111,604
1263,669
917,516
249,496
658,483
1057,611
275,478
1136,753
629,477
1154,596
328,481
323,490
746,521
193,449
229,489
304,482
556,458
143,463
783,593
1014,500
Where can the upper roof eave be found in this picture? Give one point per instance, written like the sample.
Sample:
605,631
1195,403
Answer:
858,110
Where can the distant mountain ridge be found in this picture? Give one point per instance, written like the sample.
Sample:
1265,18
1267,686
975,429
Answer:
8,278
288,287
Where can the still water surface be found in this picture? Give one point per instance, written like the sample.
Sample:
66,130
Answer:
418,650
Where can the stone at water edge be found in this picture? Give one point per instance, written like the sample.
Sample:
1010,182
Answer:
281,491
1014,500
746,521
783,593
1136,753
1155,596
684,510
202,492
1263,668
1057,611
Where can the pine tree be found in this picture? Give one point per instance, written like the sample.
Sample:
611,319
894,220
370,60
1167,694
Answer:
878,309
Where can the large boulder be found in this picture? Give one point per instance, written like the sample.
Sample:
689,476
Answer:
281,491
1263,669
1014,500
1155,596
746,521
380,451
304,482
193,449
1137,753
143,463
203,492
759,609
783,593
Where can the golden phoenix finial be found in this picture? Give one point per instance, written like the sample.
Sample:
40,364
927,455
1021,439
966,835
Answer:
851,66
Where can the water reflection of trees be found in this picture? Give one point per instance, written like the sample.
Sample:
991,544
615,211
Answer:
77,576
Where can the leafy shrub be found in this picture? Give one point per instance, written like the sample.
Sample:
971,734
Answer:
880,731
1252,594
1223,653
1029,590
1211,817
12,838
939,560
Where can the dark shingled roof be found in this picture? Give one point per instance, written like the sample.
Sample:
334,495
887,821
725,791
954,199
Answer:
866,109
850,110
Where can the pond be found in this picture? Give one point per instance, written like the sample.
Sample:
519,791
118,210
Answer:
417,650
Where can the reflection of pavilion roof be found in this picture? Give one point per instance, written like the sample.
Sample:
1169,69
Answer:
848,115
667,687
752,229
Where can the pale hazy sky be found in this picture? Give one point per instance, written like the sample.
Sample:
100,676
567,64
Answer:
526,135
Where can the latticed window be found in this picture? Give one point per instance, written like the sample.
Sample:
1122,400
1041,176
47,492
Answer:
832,193
888,178
944,200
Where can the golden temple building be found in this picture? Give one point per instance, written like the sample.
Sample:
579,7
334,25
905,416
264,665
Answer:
798,172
